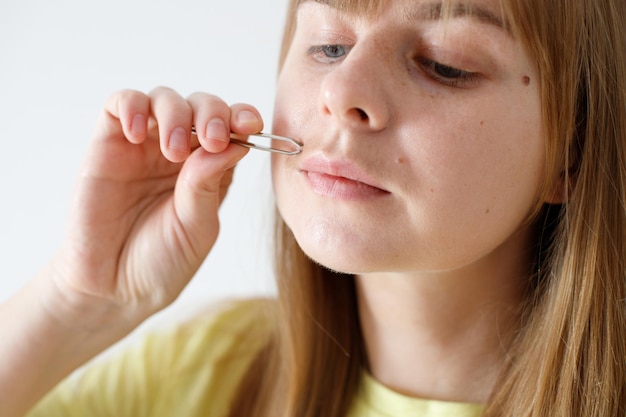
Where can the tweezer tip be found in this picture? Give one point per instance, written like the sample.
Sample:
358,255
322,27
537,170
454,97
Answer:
294,147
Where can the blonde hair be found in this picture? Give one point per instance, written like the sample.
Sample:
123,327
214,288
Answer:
569,356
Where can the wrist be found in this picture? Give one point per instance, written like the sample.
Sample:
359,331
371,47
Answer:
45,339
72,310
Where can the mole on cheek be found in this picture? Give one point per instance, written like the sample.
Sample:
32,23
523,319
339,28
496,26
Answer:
526,80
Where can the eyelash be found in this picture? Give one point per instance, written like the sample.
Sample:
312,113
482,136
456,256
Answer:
441,73
437,71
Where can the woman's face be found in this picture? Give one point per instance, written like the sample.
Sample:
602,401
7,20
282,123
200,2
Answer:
423,143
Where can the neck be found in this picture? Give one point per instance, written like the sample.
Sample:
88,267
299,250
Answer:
443,335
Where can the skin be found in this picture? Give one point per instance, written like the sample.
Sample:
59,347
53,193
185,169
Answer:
143,218
440,237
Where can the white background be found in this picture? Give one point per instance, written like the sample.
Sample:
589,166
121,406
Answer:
60,60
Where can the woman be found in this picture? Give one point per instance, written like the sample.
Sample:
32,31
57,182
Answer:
450,239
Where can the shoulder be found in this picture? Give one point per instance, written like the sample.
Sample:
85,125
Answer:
212,351
191,369
222,324
229,331
198,365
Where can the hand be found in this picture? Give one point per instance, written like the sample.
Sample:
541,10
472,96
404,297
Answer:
144,215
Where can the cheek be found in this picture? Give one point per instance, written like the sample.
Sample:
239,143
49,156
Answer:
475,175
497,140
295,103
512,164
292,118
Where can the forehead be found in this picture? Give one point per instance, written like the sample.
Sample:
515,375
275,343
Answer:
492,14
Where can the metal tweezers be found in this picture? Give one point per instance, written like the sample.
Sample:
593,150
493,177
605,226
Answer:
293,146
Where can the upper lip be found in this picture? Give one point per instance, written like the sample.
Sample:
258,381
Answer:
337,167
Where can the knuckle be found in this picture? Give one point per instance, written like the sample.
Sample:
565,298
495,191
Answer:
126,96
237,107
207,105
124,101
162,90
129,94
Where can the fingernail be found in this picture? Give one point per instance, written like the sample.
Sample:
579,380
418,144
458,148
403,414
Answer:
179,140
216,129
138,125
246,117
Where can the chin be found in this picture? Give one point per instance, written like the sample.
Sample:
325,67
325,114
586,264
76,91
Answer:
337,265
342,245
340,259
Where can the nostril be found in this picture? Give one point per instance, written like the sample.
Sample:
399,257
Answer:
362,114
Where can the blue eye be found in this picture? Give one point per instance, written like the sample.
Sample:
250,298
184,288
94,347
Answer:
328,53
333,51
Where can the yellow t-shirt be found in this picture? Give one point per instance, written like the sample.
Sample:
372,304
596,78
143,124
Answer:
193,370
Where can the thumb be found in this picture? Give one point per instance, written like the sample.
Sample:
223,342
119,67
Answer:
200,190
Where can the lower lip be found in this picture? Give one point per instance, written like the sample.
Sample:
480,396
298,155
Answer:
341,188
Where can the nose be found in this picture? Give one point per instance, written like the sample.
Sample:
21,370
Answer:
353,93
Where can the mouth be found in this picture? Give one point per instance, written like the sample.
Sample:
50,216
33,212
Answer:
340,179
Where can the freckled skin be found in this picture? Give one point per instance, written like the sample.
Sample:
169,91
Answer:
379,108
